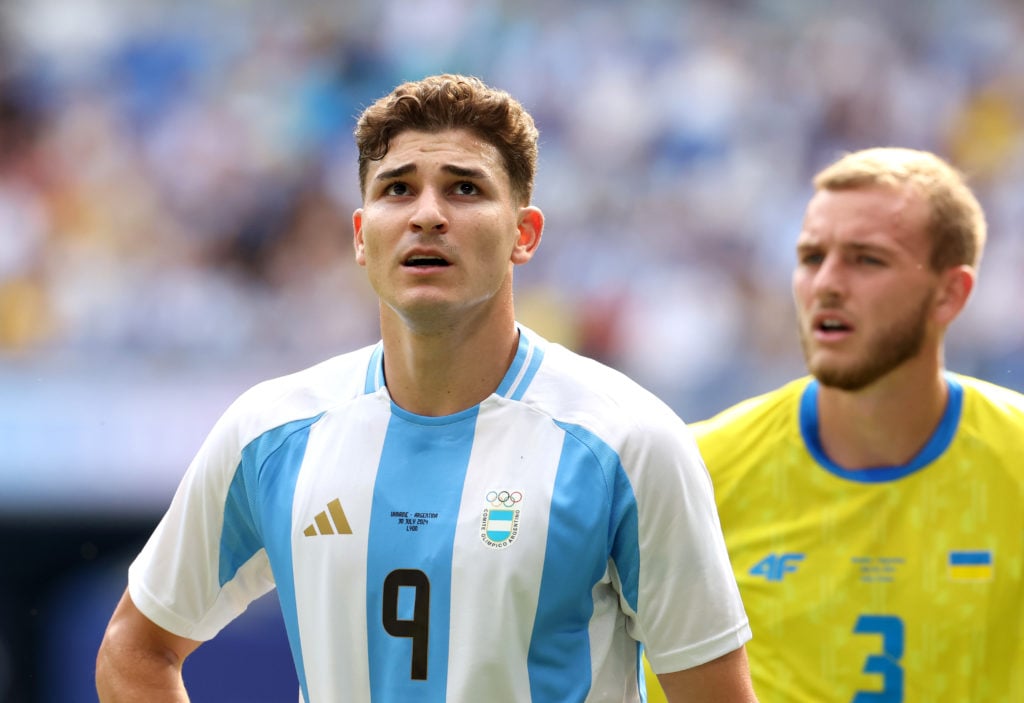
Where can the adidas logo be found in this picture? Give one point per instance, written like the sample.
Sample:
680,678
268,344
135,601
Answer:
329,522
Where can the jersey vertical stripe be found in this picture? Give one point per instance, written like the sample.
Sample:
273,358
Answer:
330,573
253,513
416,500
578,524
512,467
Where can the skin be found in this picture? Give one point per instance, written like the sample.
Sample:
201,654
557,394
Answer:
863,265
139,660
722,680
448,330
449,335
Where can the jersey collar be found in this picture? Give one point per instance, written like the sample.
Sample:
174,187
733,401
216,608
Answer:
528,358
936,445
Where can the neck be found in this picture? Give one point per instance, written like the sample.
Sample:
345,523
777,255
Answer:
884,424
443,371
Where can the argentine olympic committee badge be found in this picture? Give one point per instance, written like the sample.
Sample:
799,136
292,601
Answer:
499,523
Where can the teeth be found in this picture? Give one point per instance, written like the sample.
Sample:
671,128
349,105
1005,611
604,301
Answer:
831,324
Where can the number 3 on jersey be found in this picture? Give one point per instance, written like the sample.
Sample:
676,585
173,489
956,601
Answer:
418,628
886,663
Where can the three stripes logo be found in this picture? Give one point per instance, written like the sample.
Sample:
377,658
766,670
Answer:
329,522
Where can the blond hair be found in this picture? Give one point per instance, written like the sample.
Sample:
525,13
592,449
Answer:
956,222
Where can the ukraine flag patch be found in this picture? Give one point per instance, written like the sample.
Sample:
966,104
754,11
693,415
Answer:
971,565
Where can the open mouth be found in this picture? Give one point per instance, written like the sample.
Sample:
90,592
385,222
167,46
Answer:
425,261
832,325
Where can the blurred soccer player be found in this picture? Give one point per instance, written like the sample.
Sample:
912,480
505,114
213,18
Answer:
874,512
464,511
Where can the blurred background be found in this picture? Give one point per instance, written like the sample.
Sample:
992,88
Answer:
176,187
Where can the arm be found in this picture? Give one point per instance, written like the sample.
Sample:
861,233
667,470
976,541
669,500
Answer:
722,680
139,660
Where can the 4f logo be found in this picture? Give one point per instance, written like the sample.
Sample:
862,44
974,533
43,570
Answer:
774,566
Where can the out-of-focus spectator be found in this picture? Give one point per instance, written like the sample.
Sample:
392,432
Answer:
170,184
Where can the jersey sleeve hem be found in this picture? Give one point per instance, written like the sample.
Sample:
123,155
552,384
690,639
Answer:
153,609
252,581
702,652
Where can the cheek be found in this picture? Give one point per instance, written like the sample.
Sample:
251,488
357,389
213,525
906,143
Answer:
799,288
368,248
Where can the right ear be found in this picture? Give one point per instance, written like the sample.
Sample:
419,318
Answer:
530,228
357,236
955,286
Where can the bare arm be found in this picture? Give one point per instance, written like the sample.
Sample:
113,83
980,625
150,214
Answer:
722,680
140,661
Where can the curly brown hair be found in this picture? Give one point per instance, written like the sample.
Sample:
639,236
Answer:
450,101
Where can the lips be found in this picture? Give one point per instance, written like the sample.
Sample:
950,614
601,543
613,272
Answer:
425,259
830,324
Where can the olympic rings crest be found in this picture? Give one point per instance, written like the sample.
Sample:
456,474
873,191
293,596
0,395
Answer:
504,498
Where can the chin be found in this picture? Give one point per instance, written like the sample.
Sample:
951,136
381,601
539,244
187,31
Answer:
847,378
840,381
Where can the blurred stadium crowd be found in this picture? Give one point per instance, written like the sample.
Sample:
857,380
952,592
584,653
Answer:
177,179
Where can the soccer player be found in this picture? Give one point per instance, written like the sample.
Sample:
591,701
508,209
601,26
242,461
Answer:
874,511
463,511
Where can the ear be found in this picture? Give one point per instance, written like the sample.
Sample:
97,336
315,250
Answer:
955,286
357,237
531,227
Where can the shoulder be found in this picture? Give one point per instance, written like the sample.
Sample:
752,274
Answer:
755,424
999,399
646,450
991,411
622,424
301,395
781,405
577,390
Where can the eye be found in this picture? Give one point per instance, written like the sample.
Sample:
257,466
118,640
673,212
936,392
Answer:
869,260
397,188
466,188
810,258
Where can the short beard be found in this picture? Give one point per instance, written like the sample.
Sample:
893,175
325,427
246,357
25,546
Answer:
901,341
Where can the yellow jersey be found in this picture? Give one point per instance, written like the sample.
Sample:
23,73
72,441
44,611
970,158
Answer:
898,584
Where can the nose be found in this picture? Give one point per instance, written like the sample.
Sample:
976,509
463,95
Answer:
829,278
429,213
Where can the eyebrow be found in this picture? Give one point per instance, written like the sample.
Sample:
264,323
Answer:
461,171
394,172
857,247
464,172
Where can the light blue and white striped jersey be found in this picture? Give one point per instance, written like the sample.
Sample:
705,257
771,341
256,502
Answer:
520,550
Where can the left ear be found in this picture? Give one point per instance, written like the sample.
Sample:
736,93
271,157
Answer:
955,286
357,237
531,227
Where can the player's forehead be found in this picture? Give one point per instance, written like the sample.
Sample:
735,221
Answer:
419,151
880,216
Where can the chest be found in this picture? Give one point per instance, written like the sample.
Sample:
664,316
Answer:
919,570
489,498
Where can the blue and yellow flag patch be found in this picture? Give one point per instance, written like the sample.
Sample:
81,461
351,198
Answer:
971,565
